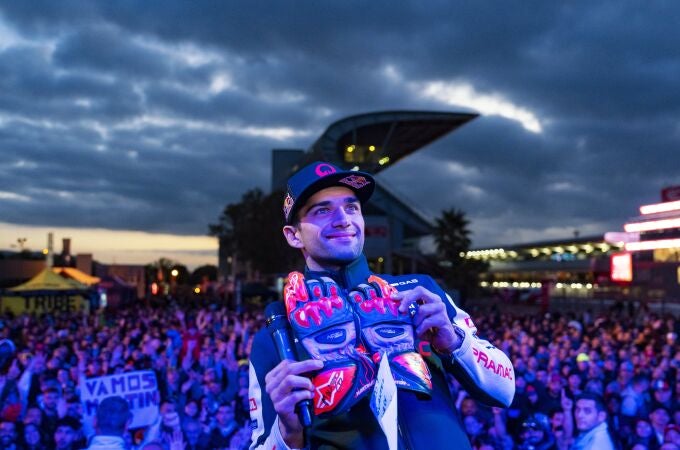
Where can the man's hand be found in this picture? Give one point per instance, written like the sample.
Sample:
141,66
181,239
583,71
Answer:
566,403
176,440
286,387
431,321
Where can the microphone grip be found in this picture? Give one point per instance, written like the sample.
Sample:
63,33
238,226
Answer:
284,345
284,348
304,410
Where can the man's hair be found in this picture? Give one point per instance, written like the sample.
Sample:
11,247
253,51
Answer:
227,403
70,422
113,414
51,390
639,378
597,398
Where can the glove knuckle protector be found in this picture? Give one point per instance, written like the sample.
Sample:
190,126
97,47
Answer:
386,330
323,320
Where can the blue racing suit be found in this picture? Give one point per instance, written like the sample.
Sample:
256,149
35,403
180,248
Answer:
424,421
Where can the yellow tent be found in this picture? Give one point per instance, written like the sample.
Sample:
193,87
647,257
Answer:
75,274
46,292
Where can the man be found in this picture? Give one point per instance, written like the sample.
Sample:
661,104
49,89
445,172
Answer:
662,394
8,435
633,398
51,397
345,318
590,414
66,435
196,439
225,426
536,433
659,418
111,422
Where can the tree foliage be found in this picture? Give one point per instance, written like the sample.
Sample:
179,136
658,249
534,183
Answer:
452,237
251,230
208,271
161,270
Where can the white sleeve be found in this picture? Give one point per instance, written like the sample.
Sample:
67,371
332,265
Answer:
274,440
483,370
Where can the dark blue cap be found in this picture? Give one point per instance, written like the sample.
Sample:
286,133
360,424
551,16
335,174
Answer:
320,175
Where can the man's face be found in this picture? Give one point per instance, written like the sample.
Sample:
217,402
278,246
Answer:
574,381
64,437
643,429
586,415
532,435
225,414
192,431
32,435
557,419
625,374
33,415
7,433
331,229
659,418
662,395
473,427
50,400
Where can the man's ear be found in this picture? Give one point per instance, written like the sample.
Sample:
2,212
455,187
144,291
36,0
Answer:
292,235
601,416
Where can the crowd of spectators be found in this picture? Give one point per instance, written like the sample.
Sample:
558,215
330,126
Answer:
626,364
199,356
199,353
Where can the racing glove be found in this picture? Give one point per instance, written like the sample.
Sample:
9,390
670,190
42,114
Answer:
323,321
385,330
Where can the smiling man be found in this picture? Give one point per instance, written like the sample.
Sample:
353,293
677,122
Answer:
345,319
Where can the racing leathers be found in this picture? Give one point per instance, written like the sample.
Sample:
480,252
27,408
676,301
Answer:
425,420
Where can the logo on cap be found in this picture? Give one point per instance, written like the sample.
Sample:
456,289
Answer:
356,181
287,204
324,169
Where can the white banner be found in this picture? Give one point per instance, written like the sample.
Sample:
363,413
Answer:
384,403
139,388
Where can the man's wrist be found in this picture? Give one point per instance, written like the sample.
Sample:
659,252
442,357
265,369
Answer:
293,438
447,351
450,349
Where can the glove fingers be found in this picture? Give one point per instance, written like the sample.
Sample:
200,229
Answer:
411,372
295,291
384,288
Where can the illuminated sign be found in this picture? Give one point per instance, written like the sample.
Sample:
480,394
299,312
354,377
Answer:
652,225
622,267
652,245
660,207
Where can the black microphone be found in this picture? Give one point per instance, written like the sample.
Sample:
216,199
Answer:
279,327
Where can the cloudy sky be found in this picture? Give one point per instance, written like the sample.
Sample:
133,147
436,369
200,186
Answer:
129,125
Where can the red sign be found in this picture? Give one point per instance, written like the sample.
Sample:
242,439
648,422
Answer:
670,194
622,267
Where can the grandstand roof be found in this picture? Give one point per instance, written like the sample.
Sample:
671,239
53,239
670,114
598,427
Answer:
374,141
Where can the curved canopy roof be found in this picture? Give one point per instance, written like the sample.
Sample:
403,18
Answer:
374,141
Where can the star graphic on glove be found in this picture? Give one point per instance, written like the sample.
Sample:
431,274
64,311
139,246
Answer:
327,391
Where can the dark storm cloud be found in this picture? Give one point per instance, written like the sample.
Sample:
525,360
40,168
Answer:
153,115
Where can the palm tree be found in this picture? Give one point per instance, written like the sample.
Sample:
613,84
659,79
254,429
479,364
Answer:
452,236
